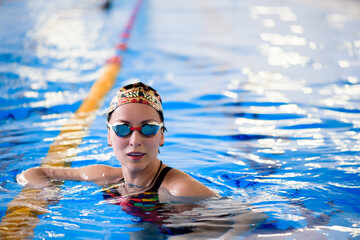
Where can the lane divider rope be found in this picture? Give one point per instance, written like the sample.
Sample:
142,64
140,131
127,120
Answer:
22,212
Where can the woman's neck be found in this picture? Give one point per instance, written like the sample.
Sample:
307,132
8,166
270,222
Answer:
142,179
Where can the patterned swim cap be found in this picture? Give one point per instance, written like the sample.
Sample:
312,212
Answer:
137,93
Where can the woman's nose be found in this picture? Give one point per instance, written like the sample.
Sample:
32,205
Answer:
135,138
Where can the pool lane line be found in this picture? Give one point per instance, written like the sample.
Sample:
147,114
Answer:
21,215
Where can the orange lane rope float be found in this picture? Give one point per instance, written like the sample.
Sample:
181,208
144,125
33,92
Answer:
21,215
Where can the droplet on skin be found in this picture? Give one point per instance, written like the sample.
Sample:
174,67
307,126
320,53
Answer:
85,177
21,179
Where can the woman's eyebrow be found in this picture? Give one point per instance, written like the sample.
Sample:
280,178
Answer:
127,122
148,120
122,121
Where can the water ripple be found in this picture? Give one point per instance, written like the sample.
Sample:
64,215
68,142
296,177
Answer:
235,137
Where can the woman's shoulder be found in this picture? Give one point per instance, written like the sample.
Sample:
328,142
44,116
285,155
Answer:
181,184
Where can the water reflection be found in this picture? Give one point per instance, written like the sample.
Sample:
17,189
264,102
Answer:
277,39
297,29
284,13
279,57
337,20
221,218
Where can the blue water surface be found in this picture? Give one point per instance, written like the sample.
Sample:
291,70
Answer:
261,104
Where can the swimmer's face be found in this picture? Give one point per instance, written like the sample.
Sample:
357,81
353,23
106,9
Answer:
135,151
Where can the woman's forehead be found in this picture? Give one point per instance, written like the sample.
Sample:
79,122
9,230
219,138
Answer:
135,112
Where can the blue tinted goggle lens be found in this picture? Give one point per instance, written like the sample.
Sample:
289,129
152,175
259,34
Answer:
149,129
121,130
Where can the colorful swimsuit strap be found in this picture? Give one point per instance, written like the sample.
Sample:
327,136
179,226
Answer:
113,192
159,179
157,173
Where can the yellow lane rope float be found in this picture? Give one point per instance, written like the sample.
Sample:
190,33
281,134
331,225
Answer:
22,212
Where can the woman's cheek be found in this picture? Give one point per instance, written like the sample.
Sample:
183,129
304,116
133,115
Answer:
154,146
118,145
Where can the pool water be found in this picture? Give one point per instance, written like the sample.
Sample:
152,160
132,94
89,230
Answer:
261,101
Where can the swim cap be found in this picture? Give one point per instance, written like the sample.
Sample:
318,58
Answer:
137,93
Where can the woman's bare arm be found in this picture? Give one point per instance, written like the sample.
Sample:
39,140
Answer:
44,176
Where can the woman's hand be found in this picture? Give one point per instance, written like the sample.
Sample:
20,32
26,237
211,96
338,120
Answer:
34,177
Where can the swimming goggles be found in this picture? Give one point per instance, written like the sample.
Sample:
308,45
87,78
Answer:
124,130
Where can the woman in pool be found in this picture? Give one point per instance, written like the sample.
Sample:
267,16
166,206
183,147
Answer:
135,131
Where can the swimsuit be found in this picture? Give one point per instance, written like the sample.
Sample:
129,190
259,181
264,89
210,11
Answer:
142,205
146,206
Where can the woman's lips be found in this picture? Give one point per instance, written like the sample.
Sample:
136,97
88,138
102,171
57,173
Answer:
135,155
